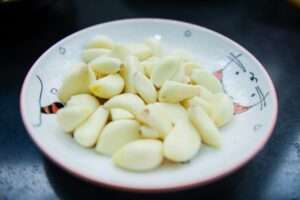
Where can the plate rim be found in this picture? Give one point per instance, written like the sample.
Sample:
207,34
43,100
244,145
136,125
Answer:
175,187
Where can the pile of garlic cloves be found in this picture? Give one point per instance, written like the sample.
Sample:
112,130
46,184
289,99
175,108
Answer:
141,103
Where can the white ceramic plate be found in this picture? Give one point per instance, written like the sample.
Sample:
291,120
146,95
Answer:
243,78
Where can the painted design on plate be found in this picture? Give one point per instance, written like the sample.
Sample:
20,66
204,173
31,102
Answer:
187,33
62,50
46,109
256,127
54,91
235,71
39,101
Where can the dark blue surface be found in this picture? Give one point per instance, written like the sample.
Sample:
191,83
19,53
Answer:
268,29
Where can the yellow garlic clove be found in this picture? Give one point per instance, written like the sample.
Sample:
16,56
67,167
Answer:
117,134
165,70
127,101
182,143
205,126
141,51
182,55
71,117
222,109
84,100
88,55
100,41
108,86
131,66
180,75
162,116
139,155
75,82
198,101
156,119
105,65
172,111
87,134
145,88
205,93
120,51
155,46
119,113
206,79
148,132
174,92
149,64
189,66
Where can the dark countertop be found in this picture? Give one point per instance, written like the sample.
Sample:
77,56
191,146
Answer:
270,29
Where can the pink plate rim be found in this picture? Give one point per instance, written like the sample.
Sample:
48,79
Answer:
175,187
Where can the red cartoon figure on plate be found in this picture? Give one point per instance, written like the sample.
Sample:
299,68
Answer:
234,72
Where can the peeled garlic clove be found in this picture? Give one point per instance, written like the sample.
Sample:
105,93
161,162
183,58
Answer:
205,126
71,117
183,55
130,102
162,116
130,67
180,75
189,66
187,80
165,70
182,143
108,86
100,41
118,113
156,119
141,51
145,88
139,155
116,134
105,65
87,134
88,55
120,51
206,79
198,101
84,100
155,46
172,111
149,65
174,92
222,109
148,132
75,82
205,93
